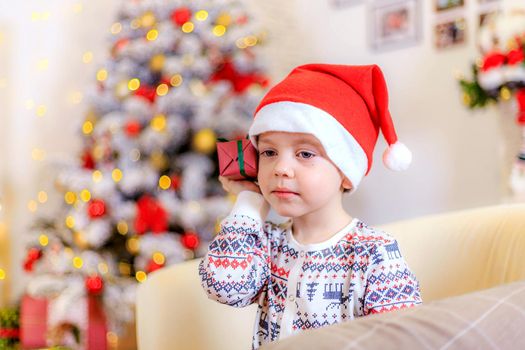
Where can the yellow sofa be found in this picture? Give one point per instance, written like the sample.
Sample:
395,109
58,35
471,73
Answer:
460,253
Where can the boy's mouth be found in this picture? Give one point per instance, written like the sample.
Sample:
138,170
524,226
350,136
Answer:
284,193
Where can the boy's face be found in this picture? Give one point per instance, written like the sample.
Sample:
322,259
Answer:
295,175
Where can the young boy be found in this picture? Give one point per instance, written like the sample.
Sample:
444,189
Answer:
315,133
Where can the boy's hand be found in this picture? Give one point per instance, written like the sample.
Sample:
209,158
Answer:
236,186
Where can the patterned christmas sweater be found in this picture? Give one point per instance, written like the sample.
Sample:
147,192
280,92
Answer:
358,271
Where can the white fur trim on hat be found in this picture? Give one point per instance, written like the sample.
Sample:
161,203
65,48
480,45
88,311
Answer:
397,157
340,146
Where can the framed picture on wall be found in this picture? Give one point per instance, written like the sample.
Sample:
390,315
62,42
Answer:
443,5
450,33
395,24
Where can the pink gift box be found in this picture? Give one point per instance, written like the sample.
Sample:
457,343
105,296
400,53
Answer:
237,159
33,324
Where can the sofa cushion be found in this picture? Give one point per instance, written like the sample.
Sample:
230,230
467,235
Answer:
488,319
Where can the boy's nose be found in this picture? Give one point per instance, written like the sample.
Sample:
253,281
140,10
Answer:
283,168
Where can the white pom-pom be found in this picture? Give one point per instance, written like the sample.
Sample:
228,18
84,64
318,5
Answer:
397,157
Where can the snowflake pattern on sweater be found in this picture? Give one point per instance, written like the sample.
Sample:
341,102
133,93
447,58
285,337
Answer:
359,271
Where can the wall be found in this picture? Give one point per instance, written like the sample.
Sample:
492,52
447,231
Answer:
456,152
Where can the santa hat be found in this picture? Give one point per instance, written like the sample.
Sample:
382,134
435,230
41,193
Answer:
343,106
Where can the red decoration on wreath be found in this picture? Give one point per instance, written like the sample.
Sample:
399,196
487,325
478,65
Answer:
153,266
133,128
190,240
151,216
33,255
147,92
181,16
94,284
493,60
96,208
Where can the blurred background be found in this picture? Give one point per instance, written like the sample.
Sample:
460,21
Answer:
110,110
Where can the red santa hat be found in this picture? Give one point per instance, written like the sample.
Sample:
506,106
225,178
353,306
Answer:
343,106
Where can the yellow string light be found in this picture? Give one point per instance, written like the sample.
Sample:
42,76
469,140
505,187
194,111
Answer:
158,123
201,15
188,27
70,221
133,84
133,245
240,43
2,274
141,276
102,74
40,16
70,197
135,24
42,197
116,174
103,268
122,228
97,176
116,28
38,154
224,19
77,262
152,35
87,127
148,19
124,268
43,240
32,206
219,30
176,80
41,110
164,182
159,258
162,89
250,40
85,195
87,57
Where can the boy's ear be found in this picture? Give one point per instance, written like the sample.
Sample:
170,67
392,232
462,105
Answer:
347,185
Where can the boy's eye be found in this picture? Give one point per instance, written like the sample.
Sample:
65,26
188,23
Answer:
267,153
306,155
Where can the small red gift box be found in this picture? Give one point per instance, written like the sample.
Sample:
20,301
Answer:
34,327
237,159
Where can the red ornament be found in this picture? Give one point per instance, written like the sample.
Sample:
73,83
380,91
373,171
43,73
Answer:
94,284
119,45
175,182
153,266
88,162
133,128
151,216
240,81
181,16
190,240
96,208
147,92
242,19
33,255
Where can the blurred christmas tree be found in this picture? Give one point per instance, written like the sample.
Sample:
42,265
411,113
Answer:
144,193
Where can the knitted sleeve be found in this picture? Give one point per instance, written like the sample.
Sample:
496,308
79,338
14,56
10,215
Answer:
390,284
236,266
